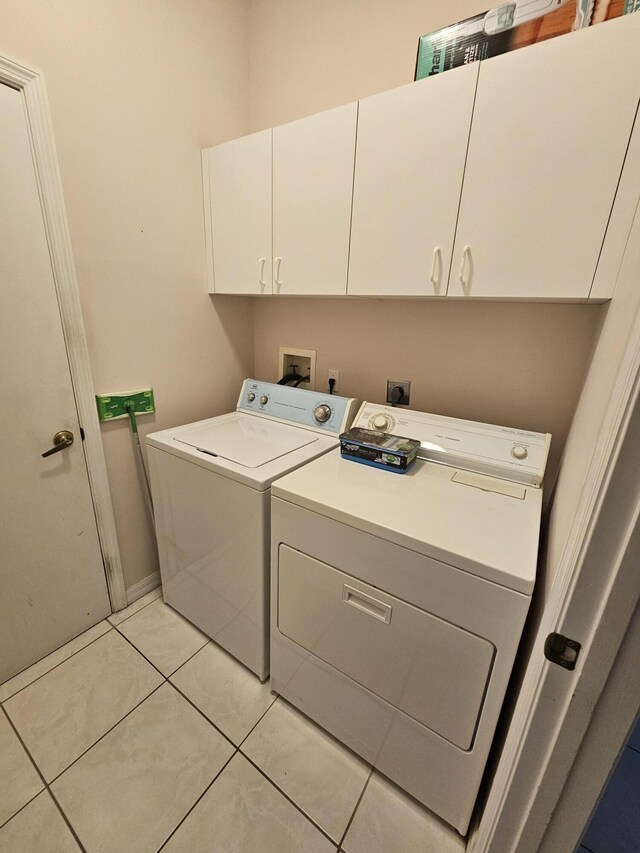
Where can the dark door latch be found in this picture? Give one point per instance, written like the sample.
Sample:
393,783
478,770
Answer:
562,650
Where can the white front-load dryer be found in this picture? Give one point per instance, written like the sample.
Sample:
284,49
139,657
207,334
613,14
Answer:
210,483
398,600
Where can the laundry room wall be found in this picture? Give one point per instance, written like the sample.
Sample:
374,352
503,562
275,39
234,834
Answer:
518,365
136,90
307,57
515,364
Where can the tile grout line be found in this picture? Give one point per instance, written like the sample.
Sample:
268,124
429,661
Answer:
149,661
287,797
72,655
277,787
184,663
104,734
24,746
353,814
66,820
202,714
111,627
142,655
182,820
47,785
22,807
197,651
139,610
257,723
164,681
361,795
238,750
46,788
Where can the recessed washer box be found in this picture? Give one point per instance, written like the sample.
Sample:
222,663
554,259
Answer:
304,362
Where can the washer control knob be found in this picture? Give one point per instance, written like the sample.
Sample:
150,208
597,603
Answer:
322,413
251,396
264,400
381,422
519,452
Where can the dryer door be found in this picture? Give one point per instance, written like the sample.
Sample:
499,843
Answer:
432,670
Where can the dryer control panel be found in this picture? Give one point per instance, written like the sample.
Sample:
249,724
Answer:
322,412
510,454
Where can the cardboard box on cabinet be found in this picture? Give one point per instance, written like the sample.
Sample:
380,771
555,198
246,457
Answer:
508,27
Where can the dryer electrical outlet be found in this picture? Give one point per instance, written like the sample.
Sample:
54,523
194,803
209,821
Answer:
302,361
394,397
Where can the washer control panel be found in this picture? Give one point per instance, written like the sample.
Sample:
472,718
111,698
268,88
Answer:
510,454
323,412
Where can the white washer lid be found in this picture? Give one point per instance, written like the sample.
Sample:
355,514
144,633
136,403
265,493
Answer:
247,441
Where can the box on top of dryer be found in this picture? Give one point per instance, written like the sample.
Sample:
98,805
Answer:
379,449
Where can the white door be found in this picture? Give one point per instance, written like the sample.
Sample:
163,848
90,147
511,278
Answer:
550,130
410,153
239,195
52,580
312,192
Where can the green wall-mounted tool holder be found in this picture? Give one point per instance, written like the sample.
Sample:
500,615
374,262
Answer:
112,406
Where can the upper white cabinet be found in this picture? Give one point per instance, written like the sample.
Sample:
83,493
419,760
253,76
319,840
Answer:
550,129
312,192
237,197
410,157
238,202
492,180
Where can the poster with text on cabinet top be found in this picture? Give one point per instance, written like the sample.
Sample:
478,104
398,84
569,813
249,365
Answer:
511,26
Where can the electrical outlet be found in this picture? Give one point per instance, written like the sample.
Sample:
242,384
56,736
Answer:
335,375
393,397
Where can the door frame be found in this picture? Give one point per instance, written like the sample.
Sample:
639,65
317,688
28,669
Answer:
528,796
594,595
30,84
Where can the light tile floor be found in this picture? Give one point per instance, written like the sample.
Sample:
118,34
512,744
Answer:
141,735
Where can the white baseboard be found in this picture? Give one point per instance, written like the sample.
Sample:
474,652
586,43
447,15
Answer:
142,587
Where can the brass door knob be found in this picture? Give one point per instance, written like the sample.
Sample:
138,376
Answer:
61,439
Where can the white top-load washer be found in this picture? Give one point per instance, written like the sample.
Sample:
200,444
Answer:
398,601
210,483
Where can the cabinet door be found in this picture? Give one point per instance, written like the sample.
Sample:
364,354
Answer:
312,191
410,155
240,214
550,129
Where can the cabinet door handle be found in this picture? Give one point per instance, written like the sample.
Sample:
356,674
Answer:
261,263
466,256
436,268
276,274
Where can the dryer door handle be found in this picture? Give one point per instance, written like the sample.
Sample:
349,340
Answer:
356,598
